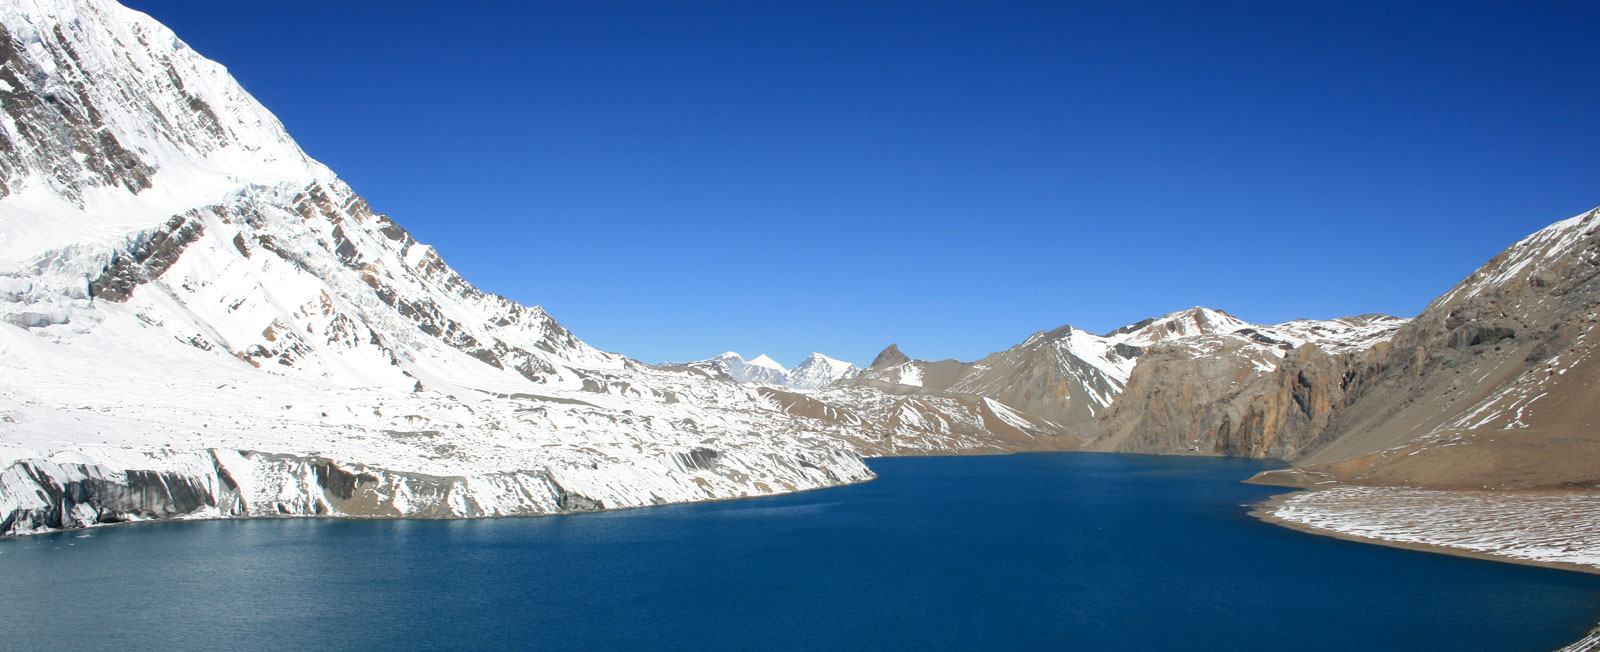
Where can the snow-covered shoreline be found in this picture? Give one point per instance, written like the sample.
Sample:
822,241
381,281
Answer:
1552,528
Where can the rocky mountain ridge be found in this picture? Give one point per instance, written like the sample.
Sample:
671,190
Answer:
1075,378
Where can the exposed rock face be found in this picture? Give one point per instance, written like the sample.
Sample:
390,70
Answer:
1224,397
1185,397
148,260
51,122
1044,376
1492,385
1299,400
1489,387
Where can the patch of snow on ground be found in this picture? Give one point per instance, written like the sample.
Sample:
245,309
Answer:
1538,526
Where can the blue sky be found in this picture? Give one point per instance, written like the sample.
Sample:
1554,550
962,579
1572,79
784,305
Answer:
673,180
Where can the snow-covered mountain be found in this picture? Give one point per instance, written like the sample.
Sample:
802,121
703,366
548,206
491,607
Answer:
818,371
815,372
198,320
762,369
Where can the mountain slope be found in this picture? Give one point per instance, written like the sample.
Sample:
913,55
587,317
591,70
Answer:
1493,385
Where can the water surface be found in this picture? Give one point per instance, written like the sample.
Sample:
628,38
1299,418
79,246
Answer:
1048,551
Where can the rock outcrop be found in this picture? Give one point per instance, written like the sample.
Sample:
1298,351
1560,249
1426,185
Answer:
1229,396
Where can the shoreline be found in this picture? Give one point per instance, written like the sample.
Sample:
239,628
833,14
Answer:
1263,512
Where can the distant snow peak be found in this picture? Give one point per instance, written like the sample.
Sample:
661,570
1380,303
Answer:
761,369
816,371
764,362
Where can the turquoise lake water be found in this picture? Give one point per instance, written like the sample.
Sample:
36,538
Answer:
1028,552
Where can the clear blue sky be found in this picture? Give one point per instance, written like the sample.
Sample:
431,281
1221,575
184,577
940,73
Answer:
672,180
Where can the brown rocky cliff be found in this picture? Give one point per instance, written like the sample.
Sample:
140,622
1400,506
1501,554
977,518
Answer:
1289,407
1179,397
1227,397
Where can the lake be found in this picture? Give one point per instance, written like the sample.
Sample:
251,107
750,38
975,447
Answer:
1040,551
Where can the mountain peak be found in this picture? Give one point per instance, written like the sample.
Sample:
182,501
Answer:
818,370
1198,320
1056,333
889,357
764,361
